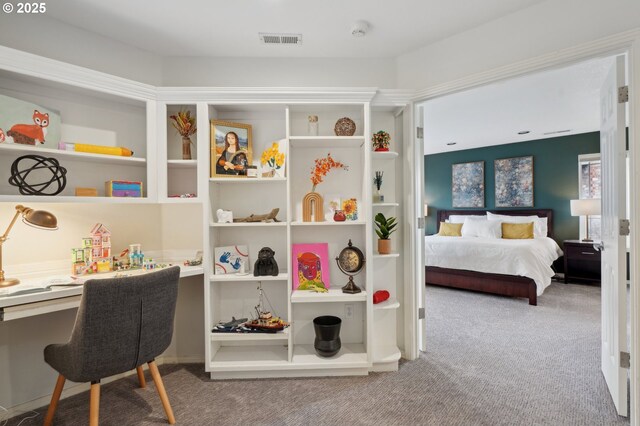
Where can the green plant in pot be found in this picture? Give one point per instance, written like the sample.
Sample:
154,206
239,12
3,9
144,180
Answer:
386,226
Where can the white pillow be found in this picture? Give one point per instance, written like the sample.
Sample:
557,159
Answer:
482,228
540,224
460,218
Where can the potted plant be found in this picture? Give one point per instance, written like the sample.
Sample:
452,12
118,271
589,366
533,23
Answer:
381,141
185,124
385,229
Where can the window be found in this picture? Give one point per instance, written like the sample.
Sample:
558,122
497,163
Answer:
590,186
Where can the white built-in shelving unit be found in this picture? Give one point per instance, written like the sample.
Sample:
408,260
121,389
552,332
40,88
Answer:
388,268
291,353
138,116
127,116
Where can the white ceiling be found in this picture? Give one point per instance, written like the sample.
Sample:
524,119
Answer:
231,27
549,101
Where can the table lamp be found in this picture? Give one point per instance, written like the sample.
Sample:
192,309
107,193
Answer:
38,219
586,207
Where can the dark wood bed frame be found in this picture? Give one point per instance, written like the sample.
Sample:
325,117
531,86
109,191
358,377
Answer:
506,285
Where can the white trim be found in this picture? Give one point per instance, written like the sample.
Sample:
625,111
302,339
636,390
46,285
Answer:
49,69
628,42
284,95
606,46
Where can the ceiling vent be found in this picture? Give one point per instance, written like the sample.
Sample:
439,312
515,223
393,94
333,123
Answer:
273,38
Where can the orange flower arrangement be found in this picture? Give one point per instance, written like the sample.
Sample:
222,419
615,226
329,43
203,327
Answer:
322,167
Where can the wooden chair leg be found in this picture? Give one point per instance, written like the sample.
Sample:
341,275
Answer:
155,374
143,383
51,411
94,404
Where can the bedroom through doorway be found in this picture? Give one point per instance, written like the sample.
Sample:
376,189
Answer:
510,209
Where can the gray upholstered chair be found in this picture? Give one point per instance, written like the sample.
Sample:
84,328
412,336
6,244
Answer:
121,324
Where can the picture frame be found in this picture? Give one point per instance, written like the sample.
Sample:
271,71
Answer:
514,182
231,260
234,164
310,266
467,184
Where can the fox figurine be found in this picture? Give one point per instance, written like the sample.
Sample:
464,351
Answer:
28,134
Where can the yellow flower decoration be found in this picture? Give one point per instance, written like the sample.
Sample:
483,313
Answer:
272,156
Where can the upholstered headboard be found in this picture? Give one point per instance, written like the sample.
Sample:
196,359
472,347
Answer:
548,213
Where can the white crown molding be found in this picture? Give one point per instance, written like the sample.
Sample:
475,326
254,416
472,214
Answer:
49,69
393,97
289,95
621,42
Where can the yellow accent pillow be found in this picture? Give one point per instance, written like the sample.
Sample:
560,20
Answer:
517,231
450,229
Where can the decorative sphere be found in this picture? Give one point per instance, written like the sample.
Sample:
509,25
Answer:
30,183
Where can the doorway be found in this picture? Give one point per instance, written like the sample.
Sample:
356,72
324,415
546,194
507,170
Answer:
474,137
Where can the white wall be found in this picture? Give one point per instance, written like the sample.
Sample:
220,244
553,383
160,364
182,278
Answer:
279,72
537,30
48,37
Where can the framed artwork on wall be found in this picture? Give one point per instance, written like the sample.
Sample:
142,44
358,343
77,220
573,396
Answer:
231,149
514,182
310,265
467,184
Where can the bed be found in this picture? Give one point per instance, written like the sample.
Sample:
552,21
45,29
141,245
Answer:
516,268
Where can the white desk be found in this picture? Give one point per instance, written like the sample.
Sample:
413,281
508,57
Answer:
59,298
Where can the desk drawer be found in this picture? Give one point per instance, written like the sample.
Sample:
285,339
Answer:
582,253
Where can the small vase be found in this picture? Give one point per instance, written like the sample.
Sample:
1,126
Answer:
313,125
327,329
186,148
378,197
384,246
339,216
312,208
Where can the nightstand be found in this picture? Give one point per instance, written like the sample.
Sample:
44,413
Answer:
581,261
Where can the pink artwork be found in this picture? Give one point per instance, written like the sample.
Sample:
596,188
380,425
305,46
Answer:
310,265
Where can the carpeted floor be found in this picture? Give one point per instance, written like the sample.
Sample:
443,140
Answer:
491,361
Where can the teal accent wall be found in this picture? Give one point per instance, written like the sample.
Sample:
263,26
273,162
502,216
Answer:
555,176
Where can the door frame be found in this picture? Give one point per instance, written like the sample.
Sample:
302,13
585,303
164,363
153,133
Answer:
624,43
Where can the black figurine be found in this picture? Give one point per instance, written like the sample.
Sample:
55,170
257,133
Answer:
266,263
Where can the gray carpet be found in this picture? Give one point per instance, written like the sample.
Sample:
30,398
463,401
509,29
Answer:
491,361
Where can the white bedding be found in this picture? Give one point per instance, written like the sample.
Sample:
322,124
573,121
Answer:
529,258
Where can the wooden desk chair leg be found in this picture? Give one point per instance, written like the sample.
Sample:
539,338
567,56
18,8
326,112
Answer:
51,411
153,368
94,404
143,383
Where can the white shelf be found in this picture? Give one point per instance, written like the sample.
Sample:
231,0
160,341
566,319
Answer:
326,141
384,155
73,155
247,278
250,337
334,295
247,357
72,199
386,256
247,180
351,355
248,224
390,303
328,223
385,204
179,200
386,353
182,164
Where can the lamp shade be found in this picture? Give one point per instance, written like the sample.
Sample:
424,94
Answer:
40,219
588,207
